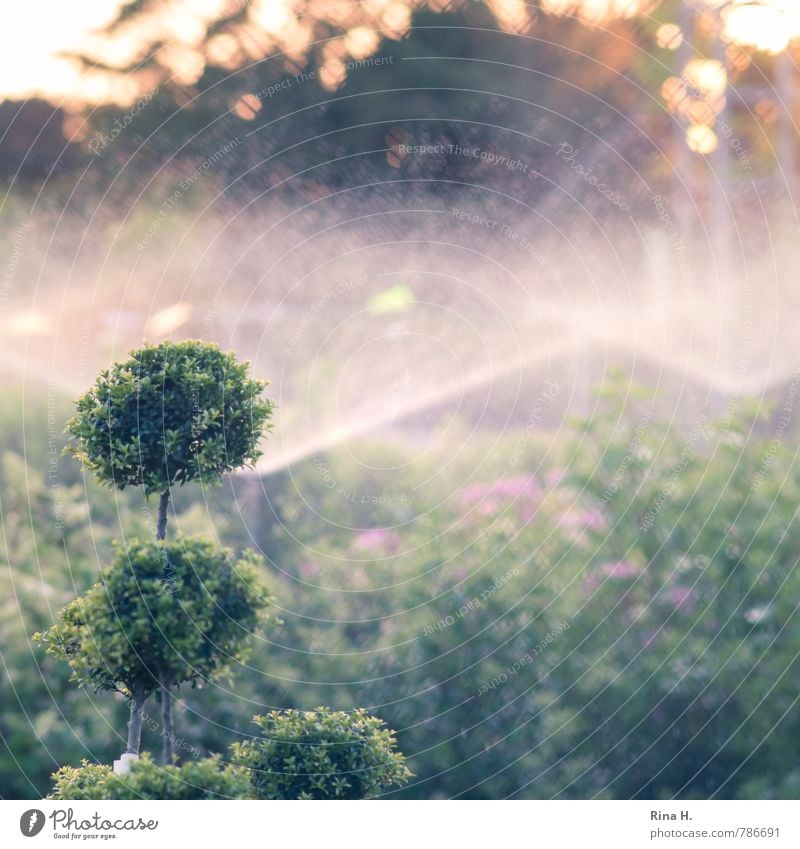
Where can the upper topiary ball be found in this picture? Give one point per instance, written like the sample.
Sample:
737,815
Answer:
174,412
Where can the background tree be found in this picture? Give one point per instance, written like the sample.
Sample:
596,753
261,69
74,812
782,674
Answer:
163,614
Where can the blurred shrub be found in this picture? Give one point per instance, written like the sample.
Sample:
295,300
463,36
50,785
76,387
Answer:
321,754
623,627
209,778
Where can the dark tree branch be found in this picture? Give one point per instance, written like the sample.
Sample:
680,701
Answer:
163,504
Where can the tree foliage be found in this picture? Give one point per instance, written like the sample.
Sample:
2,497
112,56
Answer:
181,612
208,778
173,413
321,754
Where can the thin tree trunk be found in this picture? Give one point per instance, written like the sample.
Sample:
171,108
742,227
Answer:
135,722
167,735
161,528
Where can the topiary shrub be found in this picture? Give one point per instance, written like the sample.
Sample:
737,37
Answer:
173,413
208,778
163,614
321,754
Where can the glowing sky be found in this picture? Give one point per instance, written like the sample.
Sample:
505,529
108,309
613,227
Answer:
33,33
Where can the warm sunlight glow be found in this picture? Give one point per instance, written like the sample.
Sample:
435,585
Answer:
247,107
361,42
708,76
271,15
701,139
512,15
596,10
169,319
30,63
397,20
769,25
185,63
669,36
29,323
36,33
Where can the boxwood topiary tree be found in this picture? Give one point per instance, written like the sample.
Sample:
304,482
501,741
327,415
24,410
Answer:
163,614
321,754
173,413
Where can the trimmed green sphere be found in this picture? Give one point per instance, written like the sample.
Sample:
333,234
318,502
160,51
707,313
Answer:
173,413
321,754
180,611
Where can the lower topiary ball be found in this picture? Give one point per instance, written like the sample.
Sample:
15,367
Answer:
321,754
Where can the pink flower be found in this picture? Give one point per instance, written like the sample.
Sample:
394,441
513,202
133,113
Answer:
621,570
492,498
376,538
681,597
592,520
582,520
